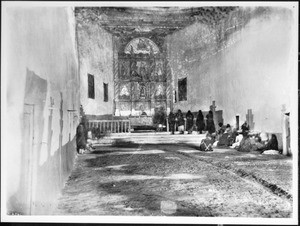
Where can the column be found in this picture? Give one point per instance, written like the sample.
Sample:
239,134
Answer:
284,130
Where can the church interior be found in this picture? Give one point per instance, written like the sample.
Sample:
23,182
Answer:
120,67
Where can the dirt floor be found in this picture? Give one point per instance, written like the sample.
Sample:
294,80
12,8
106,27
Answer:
176,179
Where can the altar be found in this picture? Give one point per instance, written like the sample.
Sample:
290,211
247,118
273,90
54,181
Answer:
141,82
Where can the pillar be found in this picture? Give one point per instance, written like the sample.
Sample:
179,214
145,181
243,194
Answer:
285,131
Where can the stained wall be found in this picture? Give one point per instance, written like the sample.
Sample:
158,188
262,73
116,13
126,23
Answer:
244,62
41,98
95,49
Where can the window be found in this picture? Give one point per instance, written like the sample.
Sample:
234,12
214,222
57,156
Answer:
175,96
182,90
105,88
91,86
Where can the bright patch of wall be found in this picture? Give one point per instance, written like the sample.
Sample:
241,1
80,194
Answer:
243,63
42,105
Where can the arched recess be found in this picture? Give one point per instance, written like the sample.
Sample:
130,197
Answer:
141,45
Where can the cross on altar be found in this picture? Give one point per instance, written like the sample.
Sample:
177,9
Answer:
213,109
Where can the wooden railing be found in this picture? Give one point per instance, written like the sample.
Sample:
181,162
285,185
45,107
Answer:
109,126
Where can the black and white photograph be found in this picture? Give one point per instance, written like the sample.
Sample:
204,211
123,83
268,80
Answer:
149,112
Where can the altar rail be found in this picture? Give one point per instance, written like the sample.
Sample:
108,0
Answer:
109,126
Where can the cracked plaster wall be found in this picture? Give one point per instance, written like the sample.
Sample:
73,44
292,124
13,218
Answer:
95,48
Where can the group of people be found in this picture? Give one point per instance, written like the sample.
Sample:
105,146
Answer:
261,142
241,140
177,119
225,136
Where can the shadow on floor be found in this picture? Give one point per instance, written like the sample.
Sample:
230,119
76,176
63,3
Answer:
140,196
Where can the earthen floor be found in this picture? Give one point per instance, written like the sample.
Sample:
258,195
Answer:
158,174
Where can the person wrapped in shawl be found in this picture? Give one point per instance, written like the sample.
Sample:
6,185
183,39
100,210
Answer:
200,122
189,122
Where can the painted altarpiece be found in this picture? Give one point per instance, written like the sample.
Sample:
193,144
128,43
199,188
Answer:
141,79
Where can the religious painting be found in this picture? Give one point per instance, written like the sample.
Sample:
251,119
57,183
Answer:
160,91
124,69
124,91
141,45
142,91
134,71
135,91
142,106
159,72
142,69
182,89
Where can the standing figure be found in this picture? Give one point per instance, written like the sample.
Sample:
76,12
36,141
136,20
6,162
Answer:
180,121
189,122
210,125
81,139
172,122
200,122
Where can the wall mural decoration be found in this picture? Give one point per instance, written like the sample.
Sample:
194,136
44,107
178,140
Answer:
141,45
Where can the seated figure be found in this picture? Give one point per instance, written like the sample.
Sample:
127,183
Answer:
272,143
207,143
227,138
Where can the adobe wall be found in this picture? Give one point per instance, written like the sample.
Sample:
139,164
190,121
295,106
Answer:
244,62
95,49
42,105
